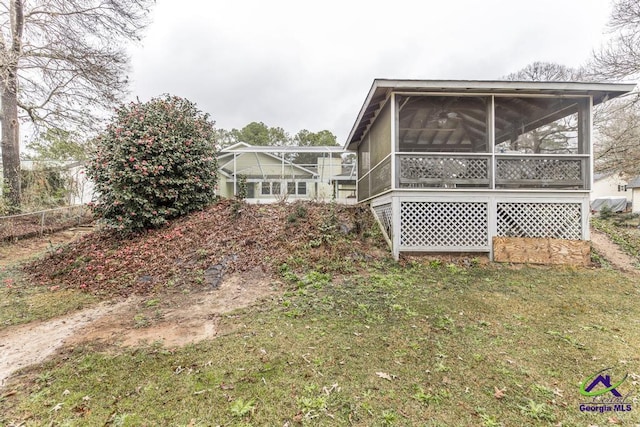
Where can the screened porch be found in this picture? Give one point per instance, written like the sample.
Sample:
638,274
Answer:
494,142
448,165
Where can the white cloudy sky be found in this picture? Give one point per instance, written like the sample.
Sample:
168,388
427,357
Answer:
309,64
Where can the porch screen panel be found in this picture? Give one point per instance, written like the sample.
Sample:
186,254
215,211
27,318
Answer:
380,136
532,125
363,169
443,124
541,220
444,226
380,177
364,157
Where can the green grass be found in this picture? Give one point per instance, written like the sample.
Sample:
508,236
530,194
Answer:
414,344
20,302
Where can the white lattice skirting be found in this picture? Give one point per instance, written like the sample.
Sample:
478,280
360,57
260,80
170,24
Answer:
459,226
385,216
444,226
553,220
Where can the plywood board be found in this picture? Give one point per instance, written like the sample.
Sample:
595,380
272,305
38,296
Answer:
541,251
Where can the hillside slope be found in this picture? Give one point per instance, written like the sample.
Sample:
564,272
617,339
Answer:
198,249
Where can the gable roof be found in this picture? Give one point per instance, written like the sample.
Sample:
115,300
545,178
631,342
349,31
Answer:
382,88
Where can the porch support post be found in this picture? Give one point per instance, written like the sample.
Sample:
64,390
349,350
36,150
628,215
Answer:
394,141
586,212
396,226
492,223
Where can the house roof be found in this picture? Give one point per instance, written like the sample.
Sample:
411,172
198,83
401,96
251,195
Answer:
242,148
634,183
599,176
382,88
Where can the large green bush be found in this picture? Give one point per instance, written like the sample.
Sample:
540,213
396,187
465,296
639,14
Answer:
155,161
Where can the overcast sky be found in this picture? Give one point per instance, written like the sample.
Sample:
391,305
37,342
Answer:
309,64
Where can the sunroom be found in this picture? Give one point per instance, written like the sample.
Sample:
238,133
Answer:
448,165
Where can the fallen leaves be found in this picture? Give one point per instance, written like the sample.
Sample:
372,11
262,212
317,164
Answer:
386,376
182,252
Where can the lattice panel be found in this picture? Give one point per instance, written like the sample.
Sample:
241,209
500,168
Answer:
553,220
539,169
438,167
385,216
454,225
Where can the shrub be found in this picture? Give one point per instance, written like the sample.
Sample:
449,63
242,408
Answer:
606,212
154,162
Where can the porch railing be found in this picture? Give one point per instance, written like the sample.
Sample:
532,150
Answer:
437,170
535,171
444,170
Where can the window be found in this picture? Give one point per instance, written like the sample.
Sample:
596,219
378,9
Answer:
266,188
302,188
291,188
270,188
622,188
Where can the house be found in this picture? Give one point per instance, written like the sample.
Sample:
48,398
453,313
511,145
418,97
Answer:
286,173
610,185
634,187
446,166
78,187
610,189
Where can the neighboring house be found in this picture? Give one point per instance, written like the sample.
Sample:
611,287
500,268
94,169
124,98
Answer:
448,165
634,187
272,174
79,186
610,185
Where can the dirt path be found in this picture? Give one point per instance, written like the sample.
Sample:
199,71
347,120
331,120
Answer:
612,252
32,343
178,320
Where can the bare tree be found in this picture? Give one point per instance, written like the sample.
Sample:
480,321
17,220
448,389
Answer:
541,71
62,63
619,58
617,123
618,133
555,137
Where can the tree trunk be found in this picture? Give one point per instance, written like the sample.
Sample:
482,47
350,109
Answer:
9,98
11,140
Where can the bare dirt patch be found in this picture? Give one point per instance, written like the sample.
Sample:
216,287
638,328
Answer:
183,319
611,252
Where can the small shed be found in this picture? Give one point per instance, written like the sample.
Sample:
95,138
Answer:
447,166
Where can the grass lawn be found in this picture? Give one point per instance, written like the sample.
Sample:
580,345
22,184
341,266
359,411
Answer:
21,303
368,343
